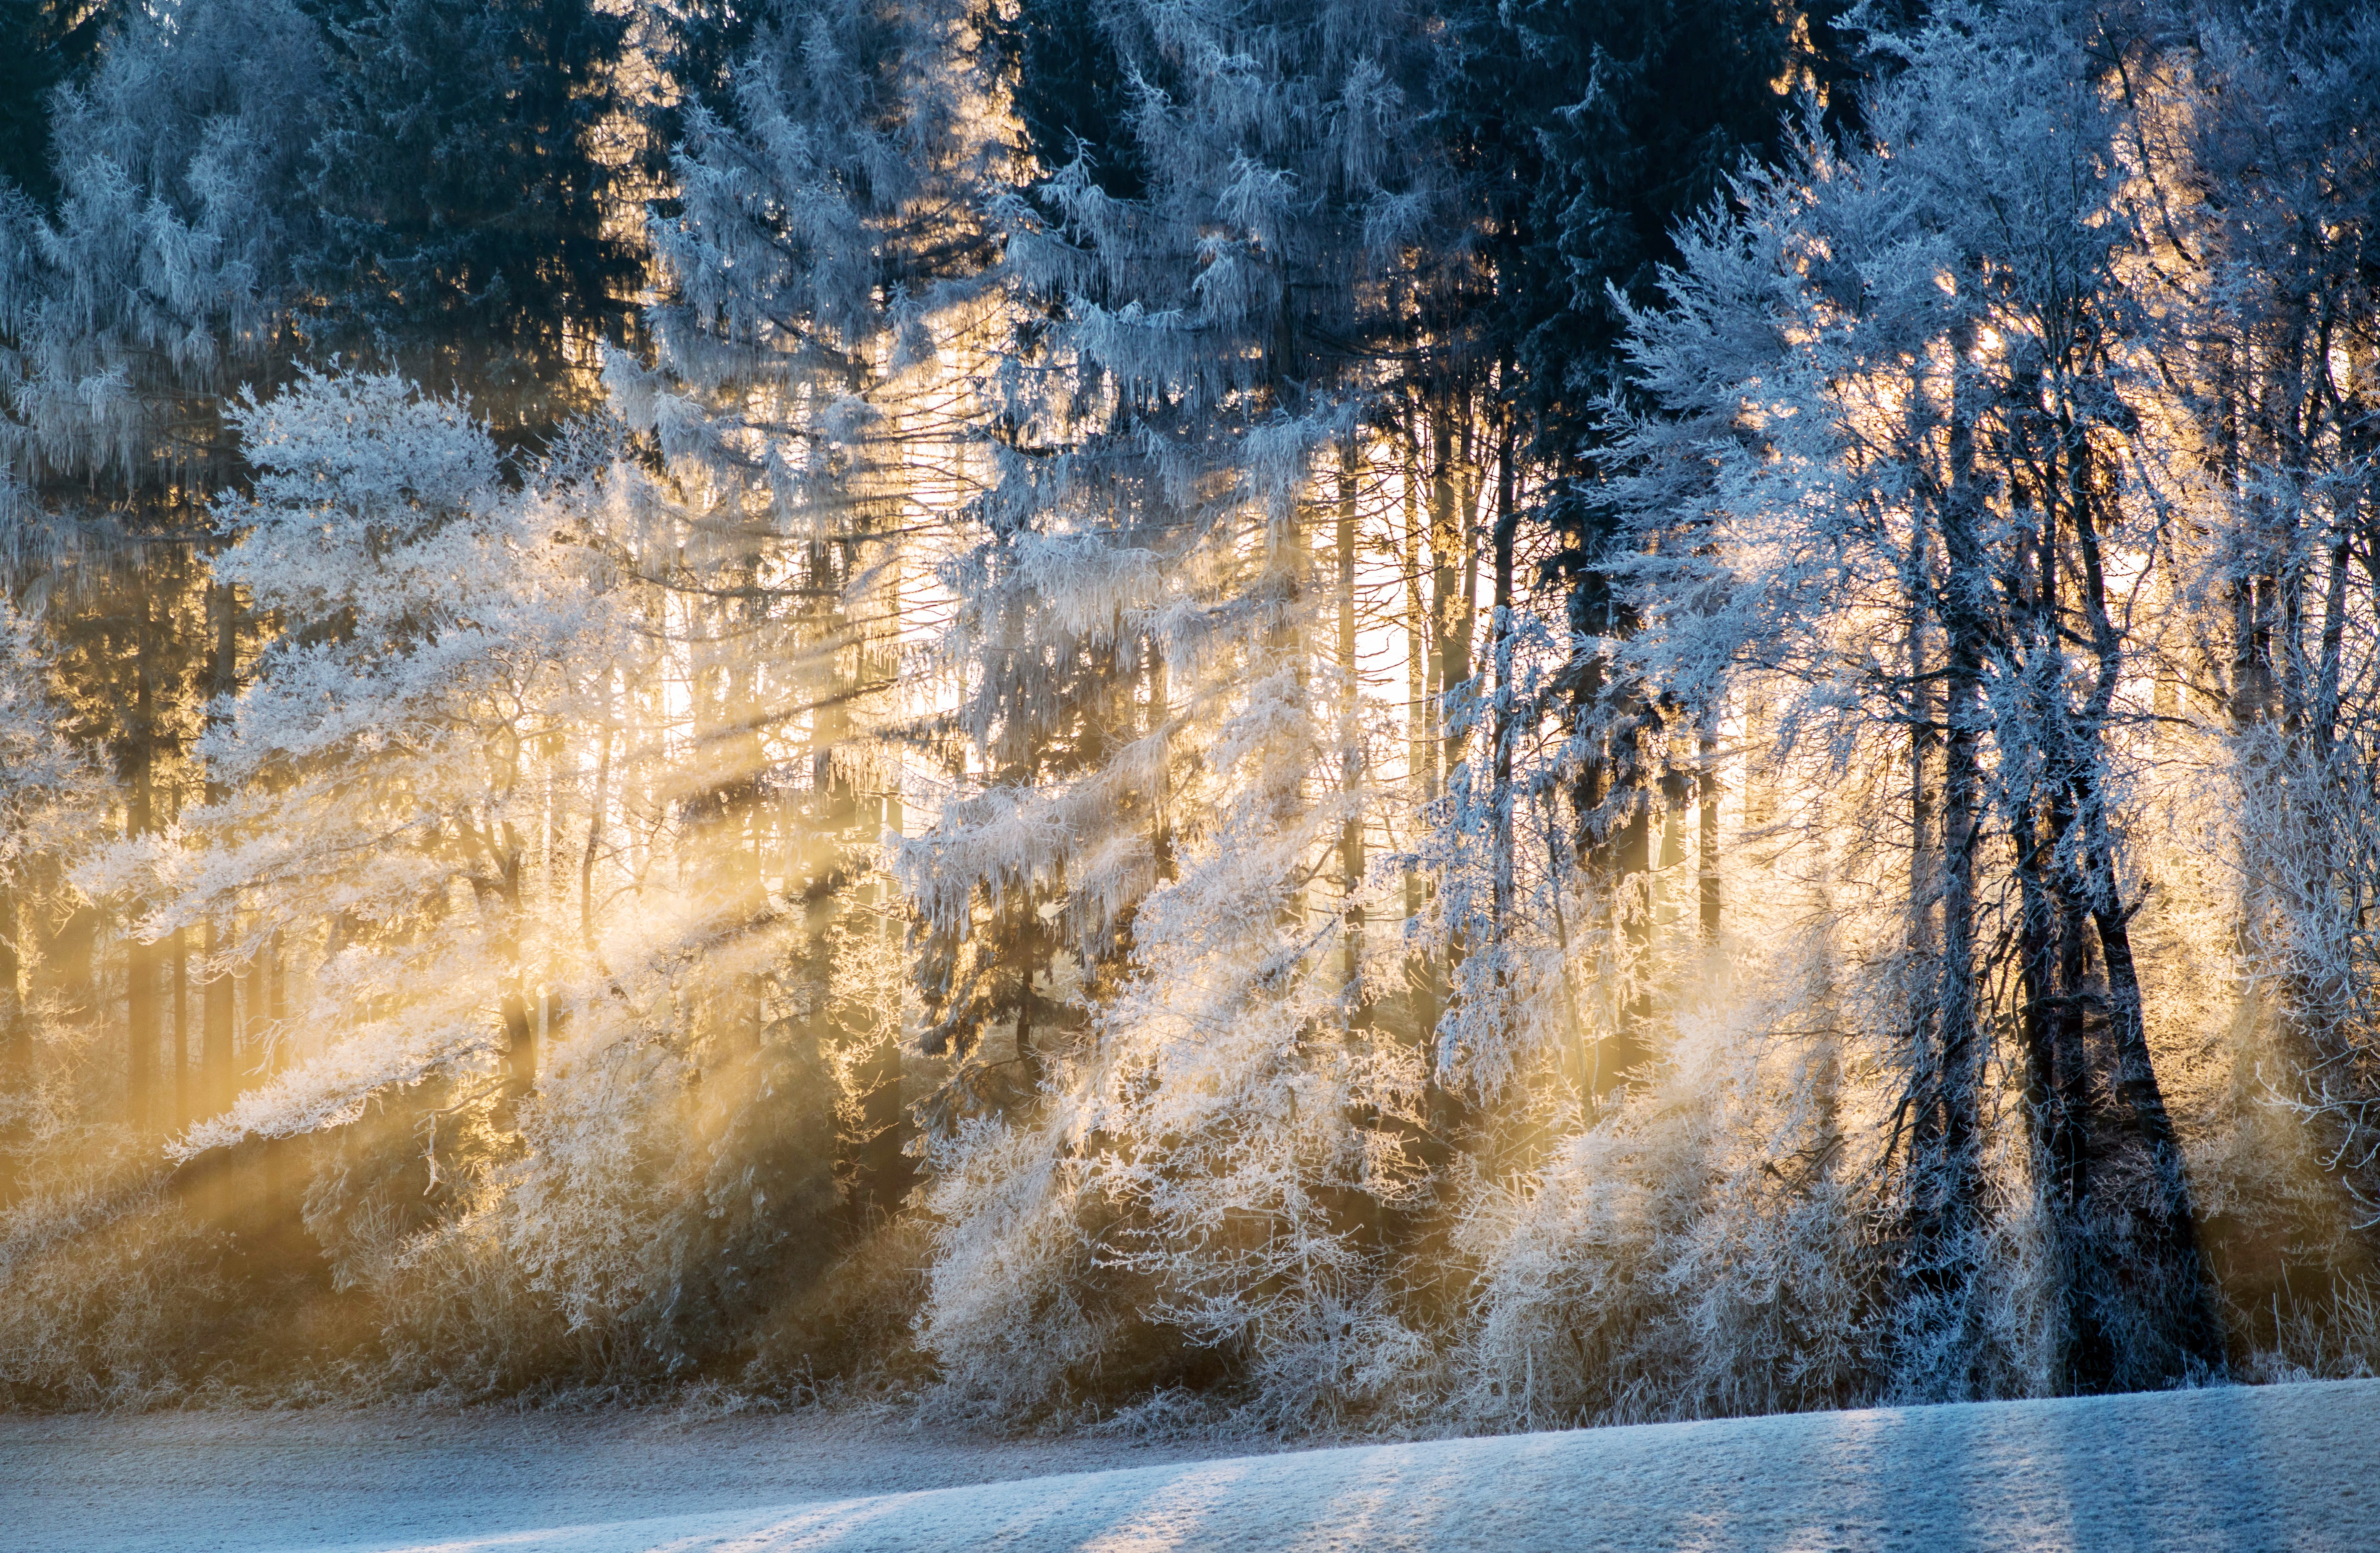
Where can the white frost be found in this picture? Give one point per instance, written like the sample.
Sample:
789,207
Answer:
2234,1468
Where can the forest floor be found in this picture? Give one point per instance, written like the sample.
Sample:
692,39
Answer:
2234,1469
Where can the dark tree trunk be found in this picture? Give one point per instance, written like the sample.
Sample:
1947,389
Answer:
1706,847
1350,771
2171,1221
181,952
1508,524
16,1039
2056,1101
2183,1297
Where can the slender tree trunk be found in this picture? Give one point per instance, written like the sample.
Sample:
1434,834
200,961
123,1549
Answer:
886,1169
1627,856
16,1040
1759,798
1947,1119
272,988
1450,604
1351,745
599,806
1421,693
1706,844
1924,850
503,855
1508,523
2188,1306
1677,787
181,952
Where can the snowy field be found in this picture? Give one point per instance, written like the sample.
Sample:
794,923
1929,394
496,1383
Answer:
2280,1467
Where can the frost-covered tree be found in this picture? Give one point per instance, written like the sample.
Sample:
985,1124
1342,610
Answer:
825,258
1144,926
161,277
2269,247
46,796
54,42
378,779
1910,475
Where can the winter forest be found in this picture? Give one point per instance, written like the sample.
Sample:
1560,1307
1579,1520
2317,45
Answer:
1301,715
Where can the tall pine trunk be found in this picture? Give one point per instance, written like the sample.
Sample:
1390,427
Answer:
1351,745
16,1040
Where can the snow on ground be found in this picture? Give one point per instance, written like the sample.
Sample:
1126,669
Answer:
258,1481
2235,1468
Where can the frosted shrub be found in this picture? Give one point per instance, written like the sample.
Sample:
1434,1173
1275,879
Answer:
456,1317
1701,1250
581,1213
111,1292
1013,1270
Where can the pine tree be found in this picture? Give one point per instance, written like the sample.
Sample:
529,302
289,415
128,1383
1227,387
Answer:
465,199
825,258
162,276
50,43
1148,634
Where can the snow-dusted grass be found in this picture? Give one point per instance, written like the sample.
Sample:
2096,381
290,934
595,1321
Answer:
2232,1469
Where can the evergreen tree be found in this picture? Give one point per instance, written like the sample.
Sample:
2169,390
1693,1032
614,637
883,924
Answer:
163,276
49,44
1071,92
1584,132
464,187
826,258
1125,913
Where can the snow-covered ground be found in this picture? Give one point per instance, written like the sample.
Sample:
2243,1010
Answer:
2245,1469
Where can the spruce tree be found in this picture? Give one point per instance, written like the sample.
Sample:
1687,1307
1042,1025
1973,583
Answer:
49,44
464,198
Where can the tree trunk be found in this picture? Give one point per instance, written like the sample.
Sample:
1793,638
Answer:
1421,713
1450,602
1947,1070
16,1040
502,856
598,806
181,952
1351,760
1508,523
1626,856
2187,1302
1706,841
2196,1334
